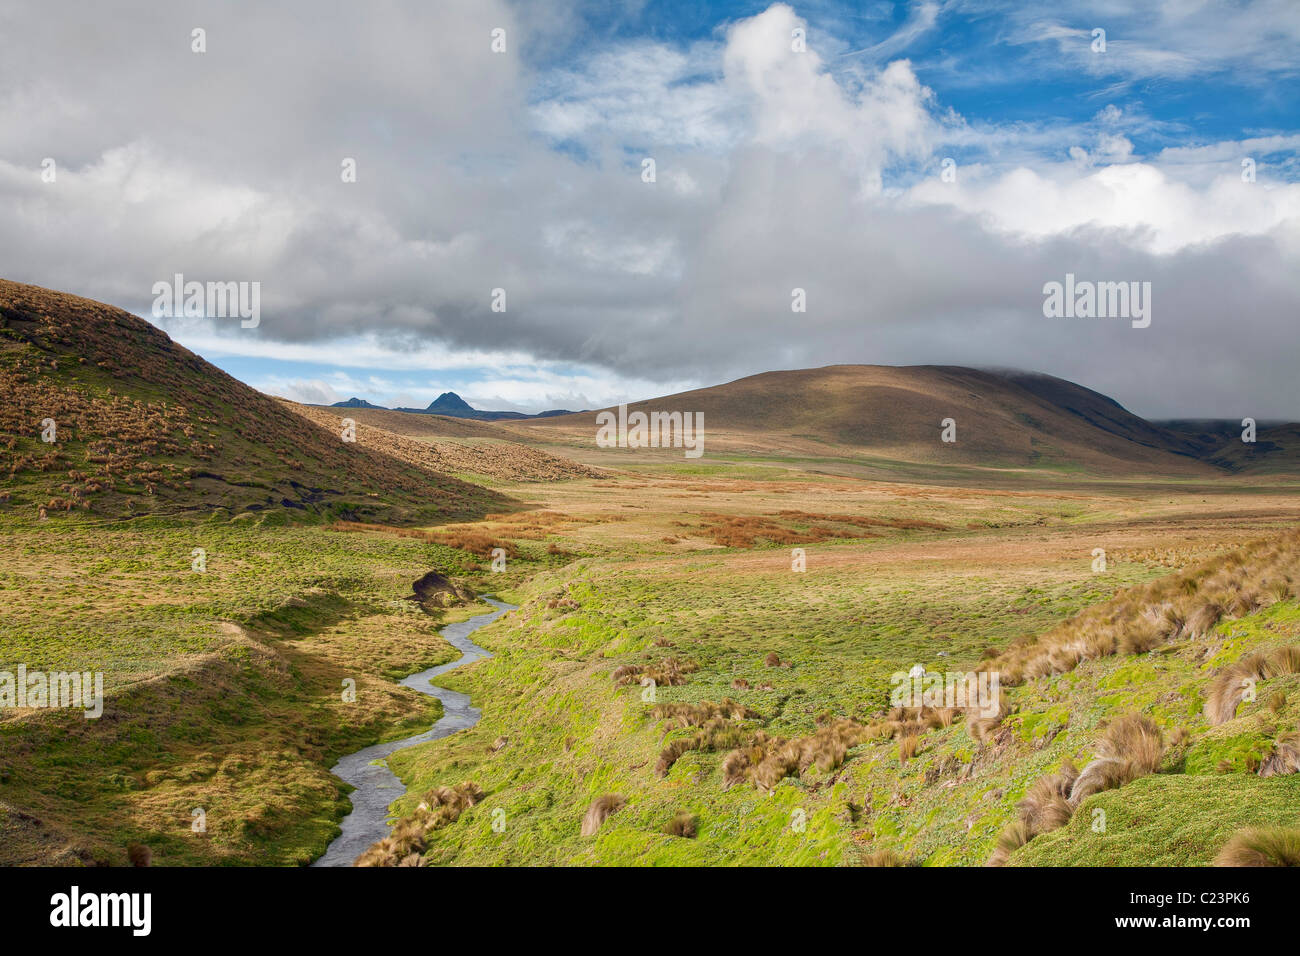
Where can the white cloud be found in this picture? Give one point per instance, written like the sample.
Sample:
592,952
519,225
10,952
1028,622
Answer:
776,170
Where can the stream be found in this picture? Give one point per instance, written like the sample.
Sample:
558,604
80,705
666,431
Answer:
367,769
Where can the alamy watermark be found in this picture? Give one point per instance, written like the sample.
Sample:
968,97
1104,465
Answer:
1098,300
53,689
213,300
651,430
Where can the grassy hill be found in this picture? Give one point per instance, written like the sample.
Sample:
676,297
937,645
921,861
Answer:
143,426
1005,420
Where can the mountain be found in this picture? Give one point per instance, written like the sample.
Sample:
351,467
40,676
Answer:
449,403
355,402
1002,419
1276,447
139,425
452,405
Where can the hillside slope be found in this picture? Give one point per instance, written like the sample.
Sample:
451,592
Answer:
417,424
1003,419
1276,448
144,426
754,726
503,459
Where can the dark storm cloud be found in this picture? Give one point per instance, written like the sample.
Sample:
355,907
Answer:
225,165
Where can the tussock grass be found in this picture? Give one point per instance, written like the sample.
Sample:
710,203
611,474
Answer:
440,807
139,855
885,858
1131,747
683,824
1187,605
669,672
1231,686
1262,846
600,810
1284,757
1009,841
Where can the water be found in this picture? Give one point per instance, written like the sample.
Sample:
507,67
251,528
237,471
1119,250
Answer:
367,769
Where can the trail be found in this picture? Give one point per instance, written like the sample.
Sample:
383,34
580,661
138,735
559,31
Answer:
367,769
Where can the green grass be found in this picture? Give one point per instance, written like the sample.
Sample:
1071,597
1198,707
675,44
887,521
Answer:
248,727
1166,820
197,716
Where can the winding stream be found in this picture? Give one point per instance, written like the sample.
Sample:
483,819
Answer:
367,769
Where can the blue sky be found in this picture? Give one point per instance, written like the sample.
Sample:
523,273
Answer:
777,168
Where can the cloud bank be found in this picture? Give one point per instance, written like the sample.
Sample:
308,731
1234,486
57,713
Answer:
775,169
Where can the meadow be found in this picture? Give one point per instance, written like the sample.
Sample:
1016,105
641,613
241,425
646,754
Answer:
224,684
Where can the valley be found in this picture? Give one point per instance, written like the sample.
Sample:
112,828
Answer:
771,589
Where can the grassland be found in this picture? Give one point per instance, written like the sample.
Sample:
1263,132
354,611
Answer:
224,686
232,564
1009,567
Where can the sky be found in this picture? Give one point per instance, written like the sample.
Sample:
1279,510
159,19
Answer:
921,171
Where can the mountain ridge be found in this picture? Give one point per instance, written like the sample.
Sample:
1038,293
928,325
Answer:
452,405
1003,418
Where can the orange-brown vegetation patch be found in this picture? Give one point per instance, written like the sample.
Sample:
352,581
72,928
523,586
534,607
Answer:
475,542
745,531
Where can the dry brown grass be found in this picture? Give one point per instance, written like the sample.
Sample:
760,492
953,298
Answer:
1284,660
766,760
982,728
475,542
1046,804
908,745
600,810
718,733
697,715
497,458
1010,840
1232,685
683,824
405,845
1284,757
861,521
1262,846
139,855
1132,747
884,858
1179,606
669,672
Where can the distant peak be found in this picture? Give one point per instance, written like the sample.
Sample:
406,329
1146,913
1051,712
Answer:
450,401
